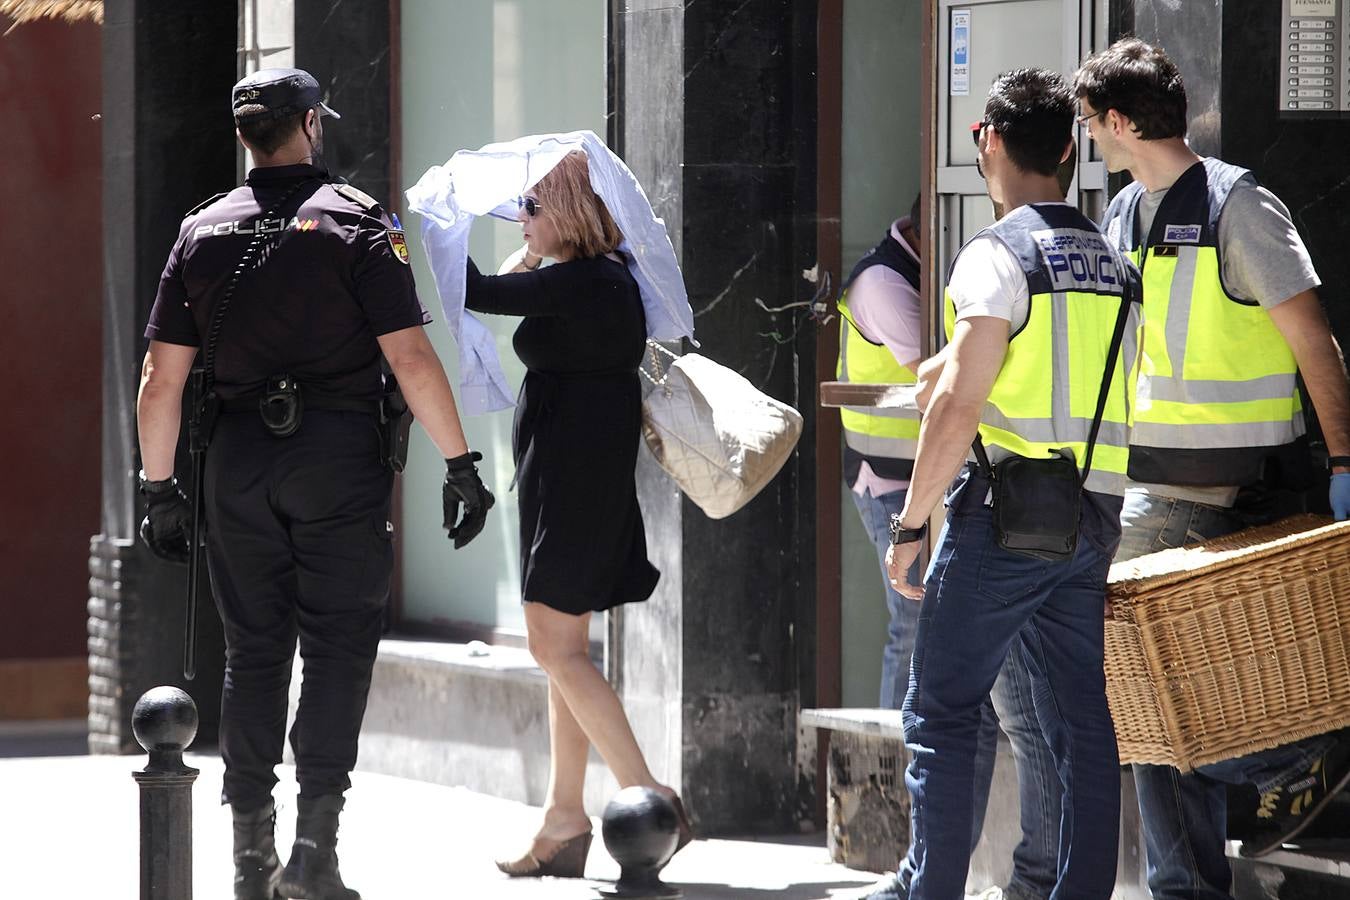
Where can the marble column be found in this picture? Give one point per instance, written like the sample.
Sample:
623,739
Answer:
168,143
717,118
346,47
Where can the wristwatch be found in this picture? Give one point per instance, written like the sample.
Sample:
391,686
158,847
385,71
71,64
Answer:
1334,461
902,535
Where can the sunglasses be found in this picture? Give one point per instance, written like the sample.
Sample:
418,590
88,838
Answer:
530,205
975,130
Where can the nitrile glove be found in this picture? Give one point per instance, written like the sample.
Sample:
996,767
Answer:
1340,496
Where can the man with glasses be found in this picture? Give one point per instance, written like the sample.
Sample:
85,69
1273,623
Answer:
1231,320
1014,312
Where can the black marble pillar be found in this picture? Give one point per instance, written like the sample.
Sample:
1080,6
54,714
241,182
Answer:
346,47
1190,34
718,121
168,143
1303,161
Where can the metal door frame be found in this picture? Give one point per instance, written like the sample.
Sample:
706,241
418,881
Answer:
1084,29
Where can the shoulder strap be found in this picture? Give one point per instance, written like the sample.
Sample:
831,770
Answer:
357,196
1130,294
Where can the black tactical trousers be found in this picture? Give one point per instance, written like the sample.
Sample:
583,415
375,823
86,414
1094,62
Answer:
298,545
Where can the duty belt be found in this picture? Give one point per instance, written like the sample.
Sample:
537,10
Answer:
249,403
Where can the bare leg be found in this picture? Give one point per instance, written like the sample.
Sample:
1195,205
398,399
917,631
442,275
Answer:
564,815
560,644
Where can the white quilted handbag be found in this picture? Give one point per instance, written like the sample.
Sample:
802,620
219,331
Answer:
718,436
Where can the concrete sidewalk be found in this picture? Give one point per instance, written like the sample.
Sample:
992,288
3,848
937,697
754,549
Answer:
70,832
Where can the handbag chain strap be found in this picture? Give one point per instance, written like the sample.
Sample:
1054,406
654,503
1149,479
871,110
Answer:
1128,296
653,348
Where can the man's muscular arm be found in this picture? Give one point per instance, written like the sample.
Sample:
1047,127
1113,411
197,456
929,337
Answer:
159,405
1304,326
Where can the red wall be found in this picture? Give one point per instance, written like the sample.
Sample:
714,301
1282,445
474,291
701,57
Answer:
51,283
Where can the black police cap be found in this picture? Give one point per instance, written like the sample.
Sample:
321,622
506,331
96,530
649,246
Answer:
282,92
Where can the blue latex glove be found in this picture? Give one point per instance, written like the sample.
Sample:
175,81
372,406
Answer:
1340,496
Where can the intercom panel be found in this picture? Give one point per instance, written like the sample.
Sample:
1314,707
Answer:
1314,75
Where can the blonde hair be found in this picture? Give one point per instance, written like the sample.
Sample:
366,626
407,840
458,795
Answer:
576,211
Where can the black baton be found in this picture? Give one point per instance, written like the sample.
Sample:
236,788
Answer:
194,568
197,439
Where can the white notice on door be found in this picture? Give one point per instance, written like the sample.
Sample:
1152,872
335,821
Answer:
960,77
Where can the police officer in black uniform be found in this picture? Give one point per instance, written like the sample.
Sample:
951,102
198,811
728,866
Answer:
292,287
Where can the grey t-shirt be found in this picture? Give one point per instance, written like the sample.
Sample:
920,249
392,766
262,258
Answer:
1263,259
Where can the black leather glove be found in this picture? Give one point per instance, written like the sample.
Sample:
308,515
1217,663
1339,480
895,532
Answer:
463,486
167,527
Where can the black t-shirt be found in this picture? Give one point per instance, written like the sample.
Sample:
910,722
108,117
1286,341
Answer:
326,280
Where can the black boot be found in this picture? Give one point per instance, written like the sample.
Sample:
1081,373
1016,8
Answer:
256,867
312,872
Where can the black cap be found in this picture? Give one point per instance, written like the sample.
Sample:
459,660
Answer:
284,92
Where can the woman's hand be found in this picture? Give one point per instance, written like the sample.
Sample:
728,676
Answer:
521,260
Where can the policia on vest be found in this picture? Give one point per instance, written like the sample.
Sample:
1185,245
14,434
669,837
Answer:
292,285
1231,318
1039,309
879,344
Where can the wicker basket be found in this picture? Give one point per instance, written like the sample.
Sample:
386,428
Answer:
1231,646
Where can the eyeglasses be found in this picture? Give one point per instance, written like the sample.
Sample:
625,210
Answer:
530,205
975,130
1083,119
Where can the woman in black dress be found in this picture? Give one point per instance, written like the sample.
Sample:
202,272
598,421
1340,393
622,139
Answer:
582,544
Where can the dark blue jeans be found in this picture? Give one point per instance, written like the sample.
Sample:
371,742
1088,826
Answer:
1185,817
1013,710
875,513
979,602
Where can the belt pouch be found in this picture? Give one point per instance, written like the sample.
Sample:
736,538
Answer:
1036,506
281,406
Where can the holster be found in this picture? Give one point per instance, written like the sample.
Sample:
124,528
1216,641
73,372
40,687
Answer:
282,407
202,412
395,425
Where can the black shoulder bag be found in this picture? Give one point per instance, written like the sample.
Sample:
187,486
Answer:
1036,501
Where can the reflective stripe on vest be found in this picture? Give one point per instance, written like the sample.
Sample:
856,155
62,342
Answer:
883,433
889,437
1075,282
1216,373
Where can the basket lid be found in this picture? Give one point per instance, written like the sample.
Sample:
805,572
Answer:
1144,573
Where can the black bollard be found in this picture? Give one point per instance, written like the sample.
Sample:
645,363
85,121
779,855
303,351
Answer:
641,830
165,722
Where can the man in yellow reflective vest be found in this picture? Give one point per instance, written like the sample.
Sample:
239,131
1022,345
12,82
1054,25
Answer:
1035,861
1040,324
1231,318
1217,443
879,343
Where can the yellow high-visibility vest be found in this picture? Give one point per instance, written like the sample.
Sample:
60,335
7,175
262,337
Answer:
886,438
1045,396
1217,392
